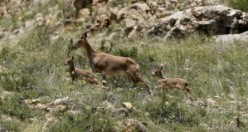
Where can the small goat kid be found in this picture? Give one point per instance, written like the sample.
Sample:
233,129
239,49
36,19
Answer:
77,73
108,64
178,83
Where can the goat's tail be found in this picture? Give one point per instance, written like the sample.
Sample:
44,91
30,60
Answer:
186,84
130,61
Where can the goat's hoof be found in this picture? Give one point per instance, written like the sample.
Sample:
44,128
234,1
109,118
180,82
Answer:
192,99
150,92
104,82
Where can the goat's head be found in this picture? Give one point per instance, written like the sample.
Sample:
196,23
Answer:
157,72
81,42
69,61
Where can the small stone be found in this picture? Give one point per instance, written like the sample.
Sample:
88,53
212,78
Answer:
140,6
84,13
211,101
61,101
130,23
128,105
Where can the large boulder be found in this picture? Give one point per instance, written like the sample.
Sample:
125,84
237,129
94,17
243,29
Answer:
101,22
210,20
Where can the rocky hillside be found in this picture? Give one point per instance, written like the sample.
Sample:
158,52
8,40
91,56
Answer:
173,18
202,41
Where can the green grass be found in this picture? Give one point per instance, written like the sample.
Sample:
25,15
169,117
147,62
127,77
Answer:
35,69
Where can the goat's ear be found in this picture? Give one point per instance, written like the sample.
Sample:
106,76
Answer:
70,47
84,35
71,41
161,67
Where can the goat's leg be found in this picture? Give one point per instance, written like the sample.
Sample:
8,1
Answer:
132,78
73,76
159,87
104,76
187,90
165,88
139,78
95,81
72,80
135,81
91,80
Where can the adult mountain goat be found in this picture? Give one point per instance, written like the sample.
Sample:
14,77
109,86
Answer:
108,64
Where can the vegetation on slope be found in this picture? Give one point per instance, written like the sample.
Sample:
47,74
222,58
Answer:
33,69
238,4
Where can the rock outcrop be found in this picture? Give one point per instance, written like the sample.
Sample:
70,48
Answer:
209,20
161,18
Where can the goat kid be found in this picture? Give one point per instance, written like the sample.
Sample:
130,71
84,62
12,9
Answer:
77,73
108,64
178,83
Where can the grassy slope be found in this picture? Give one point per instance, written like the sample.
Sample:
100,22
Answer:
34,69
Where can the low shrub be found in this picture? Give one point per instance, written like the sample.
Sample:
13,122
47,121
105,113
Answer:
16,107
171,113
133,52
83,122
11,125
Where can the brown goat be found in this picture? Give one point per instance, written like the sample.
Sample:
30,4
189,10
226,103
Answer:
178,83
108,64
77,73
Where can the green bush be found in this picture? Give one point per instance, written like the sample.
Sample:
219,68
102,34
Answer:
11,125
8,55
163,113
239,4
16,81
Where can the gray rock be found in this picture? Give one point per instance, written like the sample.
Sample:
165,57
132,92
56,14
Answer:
122,13
231,38
211,102
61,101
140,6
130,23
